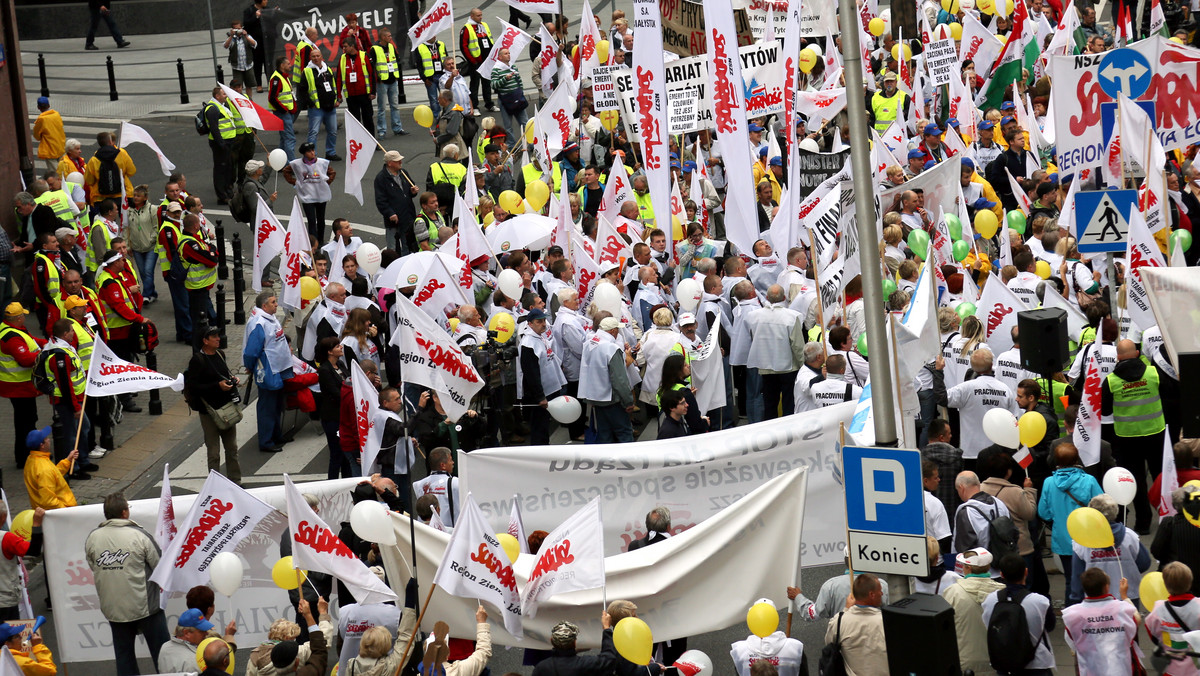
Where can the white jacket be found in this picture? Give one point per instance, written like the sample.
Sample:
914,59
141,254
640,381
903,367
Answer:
776,339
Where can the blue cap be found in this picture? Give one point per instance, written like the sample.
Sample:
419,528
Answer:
762,152
983,203
43,101
776,161
192,618
755,127
1006,119
7,631
674,156
1008,105
986,125
689,167
535,314
1053,178
968,162
930,164
915,154
34,439
931,129
953,122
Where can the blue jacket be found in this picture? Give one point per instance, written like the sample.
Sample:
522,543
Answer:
254,358
1066,490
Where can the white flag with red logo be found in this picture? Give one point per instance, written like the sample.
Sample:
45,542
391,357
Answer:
268,241
366,407
820,106
360,146
1019,192
471,244
516,525
131,133
571,559
1087,423
1141,251
547,59
589,36
316,547
432,359
435,522
998,307
617,191
587,273
650,85
563,225
437,288
511,38
108,374
611,248
164,526
555,118
253,114
439,17
475,566
220,517
296,255
1170,479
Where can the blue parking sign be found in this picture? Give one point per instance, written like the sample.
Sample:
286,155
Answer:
883,490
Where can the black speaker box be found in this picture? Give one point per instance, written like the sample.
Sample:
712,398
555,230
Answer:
1189,391
1043,335
921,639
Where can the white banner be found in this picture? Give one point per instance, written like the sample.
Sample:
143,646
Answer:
108,374
437,289
998,307
616,192
439,17
316,547
671,582
652,108
941,186
131,133
254,115
360,147
587,272
820,106
941,59
689,75
295,255
604,89
83,633
708,371
571,558
554,118
1086,434
366,409
1141,252
475,566
695,481
511,38
268,240
763,76
432,359
164,526
547,61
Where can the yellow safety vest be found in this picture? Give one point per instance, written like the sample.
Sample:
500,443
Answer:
533,173
78,374
449,172
239,122
299,65
285,93
226,128
198,276
59,202
10,370
162,250
430,65
87,342
53,281
474,48
387,68
886,109
645,207
1136,407
112,319
362,67
98,225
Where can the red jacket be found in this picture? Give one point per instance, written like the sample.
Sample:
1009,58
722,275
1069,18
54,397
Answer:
111,295
348,422
14,346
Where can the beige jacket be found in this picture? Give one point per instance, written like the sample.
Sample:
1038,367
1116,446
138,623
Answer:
863,645
386,665
1022,506
259,663
966,597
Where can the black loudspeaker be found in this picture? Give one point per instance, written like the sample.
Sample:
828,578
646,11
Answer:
1189,390
920,635
1043,335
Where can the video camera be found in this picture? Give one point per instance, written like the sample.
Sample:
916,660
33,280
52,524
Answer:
492,357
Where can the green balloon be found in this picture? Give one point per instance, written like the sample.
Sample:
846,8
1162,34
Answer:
889,287
961,249
918,241
965,309
862,345
955,226
1016,220
1181,239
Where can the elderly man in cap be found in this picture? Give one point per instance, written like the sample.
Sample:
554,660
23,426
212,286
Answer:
564,660
37,661
18,353
604,383
542,378
888,104
394,193
45,480
255,186
916,163
179,654
931,144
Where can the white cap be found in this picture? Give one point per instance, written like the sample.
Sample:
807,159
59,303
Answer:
977,557
769,602
687,318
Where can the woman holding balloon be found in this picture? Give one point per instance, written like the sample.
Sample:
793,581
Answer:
1097,536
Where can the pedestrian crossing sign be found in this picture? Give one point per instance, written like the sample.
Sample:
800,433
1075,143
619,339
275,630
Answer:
1102,219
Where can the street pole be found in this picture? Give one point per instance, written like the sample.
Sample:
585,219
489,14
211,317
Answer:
882,388
212,37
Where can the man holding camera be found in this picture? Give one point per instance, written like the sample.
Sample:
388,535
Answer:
241,46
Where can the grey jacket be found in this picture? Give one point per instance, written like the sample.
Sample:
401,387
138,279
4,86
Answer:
122,555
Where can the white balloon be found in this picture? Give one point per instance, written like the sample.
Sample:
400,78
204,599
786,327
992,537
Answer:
369,258
225,572
689,293
277,159
509,282
607,298
370,521
1001,427
816,49
1120,484
694,663
564,409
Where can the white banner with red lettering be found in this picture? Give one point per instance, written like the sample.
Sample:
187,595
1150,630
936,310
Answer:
223,515
366,409
430,358
475,566
617,191
589,36
439,17
164,526
253,114
997,308
1086,434
555,118
511,38
611,248
268,240
108,374
438,288
571,559
316,547
587,272
1141,251
652,108
820,106
296,255
729,120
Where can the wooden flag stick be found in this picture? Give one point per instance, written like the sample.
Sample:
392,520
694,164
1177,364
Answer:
408,646
78,431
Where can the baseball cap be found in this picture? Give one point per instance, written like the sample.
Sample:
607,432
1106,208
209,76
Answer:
776,161
687,318
968,163
43,101
762,152
674,156
1008,105
535,314
986,125
915,154
929,164
931,129
975,557
1007,119
73,302
7,631
674,164
952,122
609,323
393,156
34,439
174,207
755,127
889,75
192,618
983,203
15,308
689,167
254,165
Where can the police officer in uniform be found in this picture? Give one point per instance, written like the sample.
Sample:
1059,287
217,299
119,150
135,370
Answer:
887,104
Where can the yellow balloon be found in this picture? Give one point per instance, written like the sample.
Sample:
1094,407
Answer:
423,114
453,324
896,52
986,223
284,575
310,288
609,119
488,218
956,30
633,640
502,323
510,201
1152,590
1032,428
23,524
529,131
200,655
676,229
951,6
512,548
808,60
1089,528
1043,269
602,51
986,6
762,619
1010,7
876,26
537,193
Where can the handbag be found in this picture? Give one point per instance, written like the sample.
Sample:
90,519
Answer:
226,417
514,101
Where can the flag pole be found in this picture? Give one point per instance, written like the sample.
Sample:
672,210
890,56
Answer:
408,646
78,430
812,263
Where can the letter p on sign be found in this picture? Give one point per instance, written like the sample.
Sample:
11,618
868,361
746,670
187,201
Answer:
874,493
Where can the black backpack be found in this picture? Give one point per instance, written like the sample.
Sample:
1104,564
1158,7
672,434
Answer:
41,376
1002,533
238,207
1009,645
201,121
108,177
832,663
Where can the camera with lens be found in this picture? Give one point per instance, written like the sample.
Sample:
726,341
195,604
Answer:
233,393
490,358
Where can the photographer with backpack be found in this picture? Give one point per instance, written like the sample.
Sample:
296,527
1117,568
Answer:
1018,624
108,172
